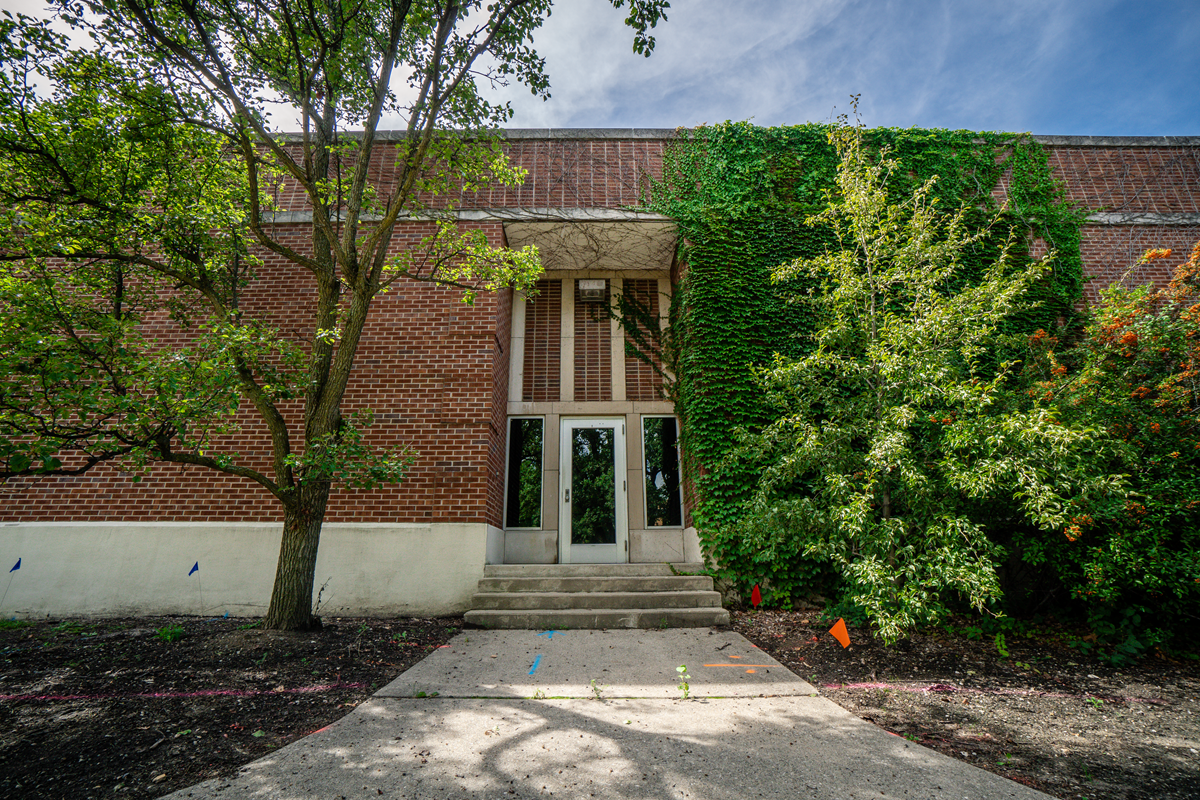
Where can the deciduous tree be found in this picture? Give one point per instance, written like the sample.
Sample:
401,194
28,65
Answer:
895,425
138,178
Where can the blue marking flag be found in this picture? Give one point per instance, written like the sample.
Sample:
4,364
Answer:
195,568
16,566
550,634
536,661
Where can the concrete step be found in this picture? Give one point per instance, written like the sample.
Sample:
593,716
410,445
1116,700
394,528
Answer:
587,570
515,601
581,619
645,583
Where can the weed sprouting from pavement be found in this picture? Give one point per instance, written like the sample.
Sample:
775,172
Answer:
684,686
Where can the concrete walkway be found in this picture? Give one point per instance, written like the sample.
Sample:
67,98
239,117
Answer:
515,714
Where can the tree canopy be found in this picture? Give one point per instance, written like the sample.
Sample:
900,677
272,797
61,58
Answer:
139,180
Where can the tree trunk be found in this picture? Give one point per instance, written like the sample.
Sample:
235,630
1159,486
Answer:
291,596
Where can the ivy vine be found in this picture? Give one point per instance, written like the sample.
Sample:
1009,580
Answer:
739,194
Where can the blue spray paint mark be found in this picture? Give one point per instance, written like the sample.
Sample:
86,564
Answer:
16,566
195,568
550,634
536,661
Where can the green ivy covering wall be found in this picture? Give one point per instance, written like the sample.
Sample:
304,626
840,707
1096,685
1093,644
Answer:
740,195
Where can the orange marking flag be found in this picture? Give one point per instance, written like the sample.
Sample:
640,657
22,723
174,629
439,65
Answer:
839,632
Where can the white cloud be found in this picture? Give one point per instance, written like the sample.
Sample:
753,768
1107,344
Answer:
1015,65
1051,66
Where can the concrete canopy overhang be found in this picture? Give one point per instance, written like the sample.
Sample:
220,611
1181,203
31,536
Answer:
568,239
601,240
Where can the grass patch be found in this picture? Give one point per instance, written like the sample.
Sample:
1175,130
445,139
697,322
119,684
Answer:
170,633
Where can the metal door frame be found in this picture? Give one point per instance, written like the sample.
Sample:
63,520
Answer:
593,553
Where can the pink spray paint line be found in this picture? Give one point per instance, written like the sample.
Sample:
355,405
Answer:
172,695
944,688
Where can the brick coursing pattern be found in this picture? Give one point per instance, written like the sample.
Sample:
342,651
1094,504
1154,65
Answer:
573,173
567,173
593,347
1127,182
425,368
540,381
1111,253
1143,179
498,424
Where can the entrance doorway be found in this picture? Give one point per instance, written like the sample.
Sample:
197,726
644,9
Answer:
593,504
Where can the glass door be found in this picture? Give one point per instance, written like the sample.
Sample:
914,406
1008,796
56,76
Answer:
593,516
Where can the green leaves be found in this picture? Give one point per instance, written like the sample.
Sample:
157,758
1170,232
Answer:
740,195
1132,379
463,258
344,457
891,430
145,186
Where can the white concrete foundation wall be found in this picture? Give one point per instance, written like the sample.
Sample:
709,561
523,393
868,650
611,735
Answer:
495,545
691,546
117,568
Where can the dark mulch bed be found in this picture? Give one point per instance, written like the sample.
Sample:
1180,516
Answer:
111,708
1044,714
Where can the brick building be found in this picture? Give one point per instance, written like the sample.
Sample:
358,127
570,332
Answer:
519,407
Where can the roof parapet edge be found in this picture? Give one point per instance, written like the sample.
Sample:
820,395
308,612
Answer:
521,133
671,133
1118,141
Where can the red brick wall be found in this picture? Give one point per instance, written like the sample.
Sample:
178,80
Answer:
435,370
642,381
593,348
540,380
1157,179
561,172
1129,182
498,424
426,367
1111,252
1126,183
576,173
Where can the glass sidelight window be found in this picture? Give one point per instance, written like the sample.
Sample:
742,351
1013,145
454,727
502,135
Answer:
523,501
660,446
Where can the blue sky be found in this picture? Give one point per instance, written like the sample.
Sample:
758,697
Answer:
1095,67
1098,67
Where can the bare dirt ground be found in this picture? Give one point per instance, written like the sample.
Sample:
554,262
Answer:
114,709
1044,714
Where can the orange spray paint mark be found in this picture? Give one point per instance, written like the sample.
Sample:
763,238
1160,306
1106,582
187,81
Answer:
740,665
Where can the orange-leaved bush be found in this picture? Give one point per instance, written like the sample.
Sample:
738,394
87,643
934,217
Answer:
1133,563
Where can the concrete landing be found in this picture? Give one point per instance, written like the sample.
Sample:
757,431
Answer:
744,734
638,663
